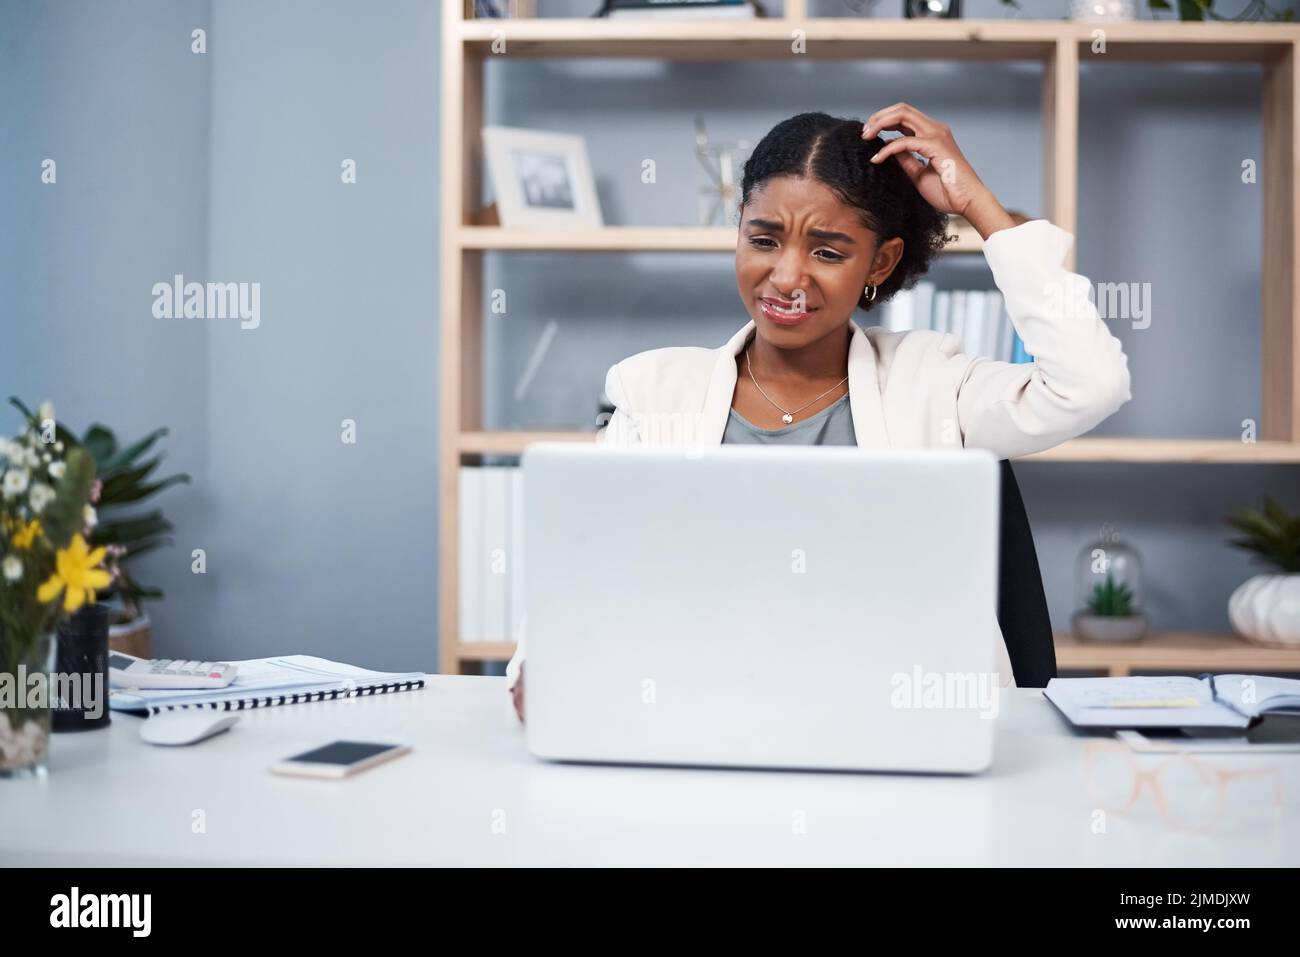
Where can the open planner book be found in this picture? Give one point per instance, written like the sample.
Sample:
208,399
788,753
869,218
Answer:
1234,701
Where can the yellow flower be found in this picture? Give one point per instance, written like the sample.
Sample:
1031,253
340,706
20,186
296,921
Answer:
24,537
75,572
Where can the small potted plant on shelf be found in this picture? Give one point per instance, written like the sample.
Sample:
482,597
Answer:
1266,608
1109,590
47,572
1110,614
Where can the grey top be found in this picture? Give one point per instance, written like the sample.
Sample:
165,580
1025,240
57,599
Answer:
833,425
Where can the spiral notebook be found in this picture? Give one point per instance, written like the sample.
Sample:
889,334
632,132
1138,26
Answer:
267,682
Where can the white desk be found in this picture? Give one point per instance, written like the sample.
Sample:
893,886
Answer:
470,794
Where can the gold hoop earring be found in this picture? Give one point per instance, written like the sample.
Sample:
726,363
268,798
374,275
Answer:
870,293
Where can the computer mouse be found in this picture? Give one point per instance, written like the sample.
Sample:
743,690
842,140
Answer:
185,727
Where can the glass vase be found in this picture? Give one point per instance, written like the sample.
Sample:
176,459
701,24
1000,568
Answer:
25,704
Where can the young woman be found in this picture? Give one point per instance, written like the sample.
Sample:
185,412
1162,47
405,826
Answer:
835,219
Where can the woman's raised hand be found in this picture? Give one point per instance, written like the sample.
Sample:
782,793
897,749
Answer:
947,182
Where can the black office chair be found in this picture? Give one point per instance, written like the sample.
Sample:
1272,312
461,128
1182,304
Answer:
1022,606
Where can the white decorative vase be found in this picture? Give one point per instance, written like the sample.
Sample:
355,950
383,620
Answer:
1266,610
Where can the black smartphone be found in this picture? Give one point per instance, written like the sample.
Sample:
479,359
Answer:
339,759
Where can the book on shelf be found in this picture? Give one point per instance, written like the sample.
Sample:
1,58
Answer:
490,589
977,317
470,538
922,299
515,568
1018,353
957,314
1000,328
973,325
496,547
942,311
679,10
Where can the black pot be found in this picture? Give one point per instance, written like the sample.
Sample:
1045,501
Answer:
79,692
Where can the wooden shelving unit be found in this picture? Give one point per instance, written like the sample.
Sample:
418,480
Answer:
645,239
1170,651
1174,651
1060,46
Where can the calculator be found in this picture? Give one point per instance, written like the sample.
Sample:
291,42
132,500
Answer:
127,671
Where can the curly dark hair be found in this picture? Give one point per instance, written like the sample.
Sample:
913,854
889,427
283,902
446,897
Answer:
832,151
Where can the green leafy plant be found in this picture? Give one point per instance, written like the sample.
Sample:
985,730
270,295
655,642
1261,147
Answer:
1204,10
1272,536
1111,599
123,484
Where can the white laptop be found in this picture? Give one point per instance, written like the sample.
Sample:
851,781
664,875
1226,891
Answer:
760,606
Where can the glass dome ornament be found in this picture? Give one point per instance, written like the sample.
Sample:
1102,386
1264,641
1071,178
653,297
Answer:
1109,590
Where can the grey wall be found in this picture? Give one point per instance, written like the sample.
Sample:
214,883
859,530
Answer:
226,167
111,93
315,544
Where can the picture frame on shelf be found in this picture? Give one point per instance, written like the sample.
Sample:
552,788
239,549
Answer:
542,179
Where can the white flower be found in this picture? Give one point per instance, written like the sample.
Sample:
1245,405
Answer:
57,469
31,459
9,449
90,517
15,482
58,446
13,568
40,496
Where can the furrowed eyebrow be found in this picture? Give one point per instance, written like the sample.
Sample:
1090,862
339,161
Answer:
818,233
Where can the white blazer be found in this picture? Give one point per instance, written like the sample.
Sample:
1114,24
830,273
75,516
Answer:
917,388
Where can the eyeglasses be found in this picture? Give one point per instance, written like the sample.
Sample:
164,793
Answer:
1190,793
